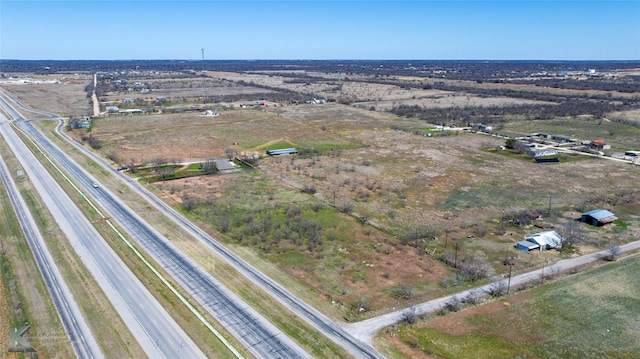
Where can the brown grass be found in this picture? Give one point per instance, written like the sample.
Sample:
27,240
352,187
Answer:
65,99
404,181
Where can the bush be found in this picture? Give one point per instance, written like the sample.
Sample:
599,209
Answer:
410,315
475,270
362,304
453,305
310,189
497,289
402,291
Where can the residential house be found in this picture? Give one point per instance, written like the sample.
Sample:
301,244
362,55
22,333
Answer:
541,241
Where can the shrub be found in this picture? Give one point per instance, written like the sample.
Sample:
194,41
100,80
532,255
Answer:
497,289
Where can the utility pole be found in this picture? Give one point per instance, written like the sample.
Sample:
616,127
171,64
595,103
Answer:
549,210
509,283
204,78
455,261
446,235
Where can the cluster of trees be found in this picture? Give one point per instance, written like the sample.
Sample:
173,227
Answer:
271,227
92,140
629,84
500,114
459,70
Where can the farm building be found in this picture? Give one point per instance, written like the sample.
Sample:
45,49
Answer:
542,152
546,159
283,151
598,217
600,144
541,241
225,166
527,246
562,138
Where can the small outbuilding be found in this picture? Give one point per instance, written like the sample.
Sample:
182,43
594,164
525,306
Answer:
598,217
282,151
527,246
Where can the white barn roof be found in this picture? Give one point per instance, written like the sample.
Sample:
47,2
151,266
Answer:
549,239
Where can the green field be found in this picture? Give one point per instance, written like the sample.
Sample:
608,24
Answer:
590,315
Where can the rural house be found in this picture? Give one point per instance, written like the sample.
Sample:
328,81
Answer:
541,241
598,217
600,145
225,166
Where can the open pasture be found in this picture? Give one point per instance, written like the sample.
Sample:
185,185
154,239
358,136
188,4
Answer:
397,183
588,315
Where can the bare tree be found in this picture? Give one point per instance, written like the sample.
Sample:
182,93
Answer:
132,166
453,305
613,250
230,152
497,289
364,218
208,166
520,147
410,315
571,234
158,163
346,207
473,297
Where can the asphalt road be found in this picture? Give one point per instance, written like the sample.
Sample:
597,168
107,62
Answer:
155,330
366,329
257,334
80,336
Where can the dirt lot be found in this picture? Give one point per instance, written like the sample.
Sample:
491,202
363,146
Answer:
66,98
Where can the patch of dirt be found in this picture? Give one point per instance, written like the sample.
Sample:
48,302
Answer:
65,99
458,324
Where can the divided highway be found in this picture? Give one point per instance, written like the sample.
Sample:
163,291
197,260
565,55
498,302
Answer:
155,330
82,340
257,334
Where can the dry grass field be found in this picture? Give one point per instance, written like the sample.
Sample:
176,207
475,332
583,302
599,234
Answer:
66,98
399,181
449,187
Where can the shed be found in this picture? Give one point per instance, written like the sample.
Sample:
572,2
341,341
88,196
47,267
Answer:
598,217
527,246
546,159
546,240
282,151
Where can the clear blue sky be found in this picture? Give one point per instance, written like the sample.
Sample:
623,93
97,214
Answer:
429,30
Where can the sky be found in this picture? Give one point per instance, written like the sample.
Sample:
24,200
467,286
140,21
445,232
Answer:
320,30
